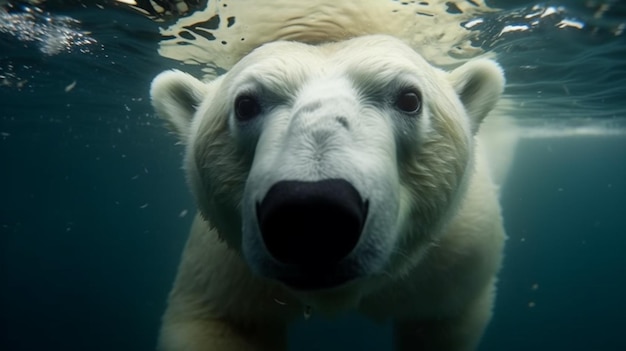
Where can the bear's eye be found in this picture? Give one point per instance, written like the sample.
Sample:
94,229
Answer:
246,107
409,102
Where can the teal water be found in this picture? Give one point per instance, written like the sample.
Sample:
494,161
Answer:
94,209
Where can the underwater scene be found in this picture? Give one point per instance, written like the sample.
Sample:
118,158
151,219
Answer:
95,207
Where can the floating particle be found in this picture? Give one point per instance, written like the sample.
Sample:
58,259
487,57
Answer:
282,303
70,86
182,213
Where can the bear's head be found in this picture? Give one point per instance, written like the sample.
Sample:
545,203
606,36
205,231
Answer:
329,164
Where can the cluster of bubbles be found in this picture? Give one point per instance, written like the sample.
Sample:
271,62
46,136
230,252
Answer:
53,34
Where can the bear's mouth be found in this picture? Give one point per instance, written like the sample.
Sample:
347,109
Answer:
311,228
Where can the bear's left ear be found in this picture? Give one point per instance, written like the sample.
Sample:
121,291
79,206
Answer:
176,96
479,84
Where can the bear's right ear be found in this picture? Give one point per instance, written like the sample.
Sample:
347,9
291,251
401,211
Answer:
176,96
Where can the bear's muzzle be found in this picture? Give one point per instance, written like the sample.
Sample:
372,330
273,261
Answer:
312,226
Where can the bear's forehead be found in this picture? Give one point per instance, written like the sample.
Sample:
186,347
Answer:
377,59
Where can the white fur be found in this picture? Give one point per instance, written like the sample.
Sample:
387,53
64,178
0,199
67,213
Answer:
431,245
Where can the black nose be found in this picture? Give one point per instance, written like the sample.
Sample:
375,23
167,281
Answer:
311,224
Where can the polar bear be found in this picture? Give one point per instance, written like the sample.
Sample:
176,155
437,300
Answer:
328,177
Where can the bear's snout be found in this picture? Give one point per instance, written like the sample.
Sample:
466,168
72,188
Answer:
311,225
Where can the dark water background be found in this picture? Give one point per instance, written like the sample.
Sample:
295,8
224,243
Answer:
94,209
